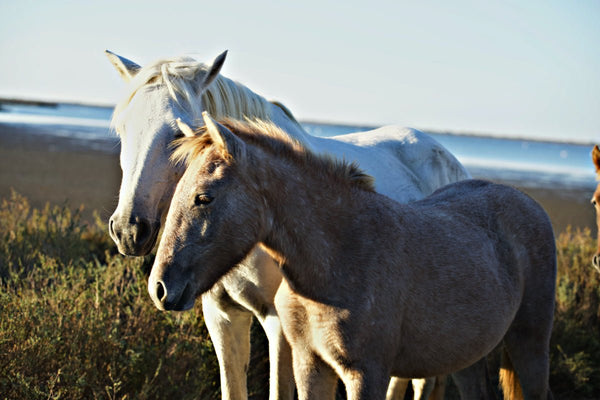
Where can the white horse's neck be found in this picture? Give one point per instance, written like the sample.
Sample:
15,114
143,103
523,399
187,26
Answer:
225,98
281,118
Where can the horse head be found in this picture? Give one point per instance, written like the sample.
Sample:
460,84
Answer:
160,94
213,221
596,204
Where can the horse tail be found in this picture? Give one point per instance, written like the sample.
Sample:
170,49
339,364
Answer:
508,379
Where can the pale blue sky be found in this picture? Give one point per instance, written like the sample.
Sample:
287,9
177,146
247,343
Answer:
515,68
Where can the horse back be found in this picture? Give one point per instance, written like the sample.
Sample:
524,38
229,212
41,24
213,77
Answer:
519,227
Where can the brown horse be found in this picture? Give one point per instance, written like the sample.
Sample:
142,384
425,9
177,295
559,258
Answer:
596,204
373,288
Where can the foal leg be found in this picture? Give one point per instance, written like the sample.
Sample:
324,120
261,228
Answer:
366,384
530,357
474,382
527,341
229,329
438,390
314,378
281,380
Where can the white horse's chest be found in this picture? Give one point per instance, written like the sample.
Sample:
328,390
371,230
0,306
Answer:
254,282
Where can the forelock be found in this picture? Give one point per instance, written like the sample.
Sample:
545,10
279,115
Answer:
180,76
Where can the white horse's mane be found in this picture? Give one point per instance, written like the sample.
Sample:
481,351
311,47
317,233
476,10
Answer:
272,138
223,98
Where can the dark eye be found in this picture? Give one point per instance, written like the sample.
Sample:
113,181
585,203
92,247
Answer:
202,199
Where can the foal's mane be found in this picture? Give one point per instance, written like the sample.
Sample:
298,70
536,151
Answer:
272,139
223,98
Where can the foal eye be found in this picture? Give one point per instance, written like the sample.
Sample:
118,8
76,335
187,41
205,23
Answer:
202,199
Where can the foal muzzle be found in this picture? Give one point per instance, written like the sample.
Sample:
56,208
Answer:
170,296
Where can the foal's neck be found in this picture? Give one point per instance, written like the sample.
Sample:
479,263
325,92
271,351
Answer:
316,222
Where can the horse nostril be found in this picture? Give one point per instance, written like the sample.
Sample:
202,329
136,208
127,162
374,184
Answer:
143,231
161,292
111,229
596,261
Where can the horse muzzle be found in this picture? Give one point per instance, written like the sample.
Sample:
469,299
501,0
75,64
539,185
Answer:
135,236
170,296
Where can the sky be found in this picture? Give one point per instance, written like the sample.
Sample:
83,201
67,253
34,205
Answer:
504,68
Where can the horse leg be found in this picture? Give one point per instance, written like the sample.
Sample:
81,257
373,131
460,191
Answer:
526,358
429,389
439,388
229,329
474,382
423,389
281,383
314,378
397,388
526,361
370,383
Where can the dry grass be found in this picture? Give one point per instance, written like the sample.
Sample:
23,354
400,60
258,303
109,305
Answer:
76,321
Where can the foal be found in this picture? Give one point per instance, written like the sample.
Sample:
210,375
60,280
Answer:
372,287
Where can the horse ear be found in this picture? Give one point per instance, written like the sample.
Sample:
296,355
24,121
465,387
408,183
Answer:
231,145
596,158
126,68
215,68
185,128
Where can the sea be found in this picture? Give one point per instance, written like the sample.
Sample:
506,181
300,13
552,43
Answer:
523,162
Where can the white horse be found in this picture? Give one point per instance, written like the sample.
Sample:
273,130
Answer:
407,165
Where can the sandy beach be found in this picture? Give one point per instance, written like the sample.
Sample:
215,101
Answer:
61,170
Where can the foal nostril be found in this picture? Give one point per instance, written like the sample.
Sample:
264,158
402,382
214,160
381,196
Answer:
596,261
161,292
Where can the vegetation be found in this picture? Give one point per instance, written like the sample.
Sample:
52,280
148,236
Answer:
76,321
575,347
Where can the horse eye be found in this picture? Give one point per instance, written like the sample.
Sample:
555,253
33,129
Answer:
202,199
